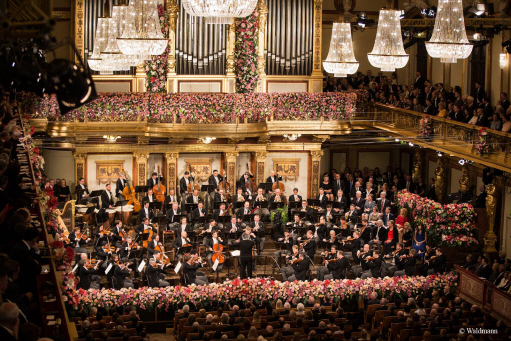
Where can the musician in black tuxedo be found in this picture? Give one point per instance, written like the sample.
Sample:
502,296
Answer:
239,196
341,201
352,217
144,227
194,197
184,182
288,244
182,226
246,209
107,199
365,231
220,196
374,267
277,196
305,208
221,211
81,190
245,178
87,278
246,244
273,178
198,212
171,212
155,274
397,263
119,185
179,242
323,199
409,263
121,274
171,197
319,230
152,245
294,226
26,253
295,197
145,212
308,244
337,268
215,179
150,197
257,227
190,271
438,264
153,180
209,243
300,269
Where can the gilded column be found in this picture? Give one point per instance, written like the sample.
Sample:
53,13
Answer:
440,180
316,79
231,39
141,168
316,175
79,29
464,179
171,164
261,58
230,158
173,13
80,166
417,166
260,165
492,191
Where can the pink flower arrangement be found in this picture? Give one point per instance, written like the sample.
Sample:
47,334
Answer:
482,146
450,225
258,289
202,108
156,67
245,53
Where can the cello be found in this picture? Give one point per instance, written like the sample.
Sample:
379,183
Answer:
278,185
129,194
218,253
192,185
159,189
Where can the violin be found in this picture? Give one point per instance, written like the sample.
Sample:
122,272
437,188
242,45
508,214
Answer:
349,239
92,263
305,242
370,258
133,245
107,248
81,236
159,189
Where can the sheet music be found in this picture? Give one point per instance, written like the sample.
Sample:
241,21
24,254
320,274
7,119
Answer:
177,267
108,268
141,266
76,267
215,265
235,253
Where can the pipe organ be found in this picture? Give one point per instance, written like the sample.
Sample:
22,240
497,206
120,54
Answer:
200,47
92,10
289,37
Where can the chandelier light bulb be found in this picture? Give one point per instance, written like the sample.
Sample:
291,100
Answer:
219,11
388,53
503,60
341,58
449,40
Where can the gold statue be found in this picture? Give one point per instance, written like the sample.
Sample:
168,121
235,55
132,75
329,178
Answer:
440,180
417,167
464,180
491,203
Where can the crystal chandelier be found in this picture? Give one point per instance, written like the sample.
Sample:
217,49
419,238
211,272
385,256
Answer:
111,138
449,40
388,53
292,137
219,11
207,140
142,33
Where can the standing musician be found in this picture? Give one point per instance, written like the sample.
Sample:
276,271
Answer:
179,242
246,245
127,248
171,198
245,178
121,274
257,227
194,198
360,260
145,212
119,186
155,274
215,179
289,243
197,213
374,264
308,244
260,197
82,192
240,213
184,182
239,196
150,197
339,267
171,212
107,200
189,271
324,270
273,178
288,271
152,181
210,243
300,269
114,258
87,278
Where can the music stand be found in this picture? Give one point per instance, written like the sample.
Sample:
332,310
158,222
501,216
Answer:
239,204
96,193
121,203
141,189
178,216
168,207
184,249
216,204
190,207
224,219
275,205
161,221
248,217
301,214
314,202
294,205
202,220
207,188
261,204
90,210
155,205
266,186
336,204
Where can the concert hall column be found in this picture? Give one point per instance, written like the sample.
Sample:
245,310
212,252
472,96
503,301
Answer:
171,161
260,165
172,11
80,166
230,75
316,78
417,166
315,173
230,158
440,179
261,58
141,168
492,196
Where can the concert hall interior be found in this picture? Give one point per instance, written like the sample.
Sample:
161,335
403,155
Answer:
272,170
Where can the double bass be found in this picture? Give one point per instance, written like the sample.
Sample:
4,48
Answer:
129,194
226,187
250,186
159,189
278,185
192,185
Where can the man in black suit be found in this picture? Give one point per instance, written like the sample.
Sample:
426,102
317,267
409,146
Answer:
120,274
310,246
11,292
240,213
81,190
257,227
246,260
288,244
408,264
26,253
479,93
382,202
152,245
184,182
504,101
359,202
119,185
150,197
484,270
352,217
239,196
171,212
221,211
408,184
194,197
338,184
300,269
374,267
273,178
153,180
340,203
145,212
305,208
379,234
155,274
487,108
245,178
438,264
387,216
107,199
479,119
338,268
9,321
432,189
419,81
87,278
429,109
215,179
170,198
197,213
323,199
190,272
144,227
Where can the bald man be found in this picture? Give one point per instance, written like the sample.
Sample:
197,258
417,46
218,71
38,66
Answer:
9,322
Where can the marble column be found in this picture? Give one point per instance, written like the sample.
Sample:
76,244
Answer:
315,172
141,168
260,158
80,166
171,164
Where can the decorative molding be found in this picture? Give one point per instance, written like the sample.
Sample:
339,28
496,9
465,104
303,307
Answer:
316,155
492,200
320,138
80,157
143,140
201,168
79,29
64,15
173,13
288,168
318,27
464,179
263,16
171,157
141,157
108,171
417,166
261,156
231,156
231,38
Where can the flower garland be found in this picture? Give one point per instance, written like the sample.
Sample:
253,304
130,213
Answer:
245,53
156,67
425,128
450,225
33,151
201,108
256,290
482,146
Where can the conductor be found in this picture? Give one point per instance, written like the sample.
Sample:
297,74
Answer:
246,260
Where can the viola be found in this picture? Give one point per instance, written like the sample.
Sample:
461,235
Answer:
159,189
